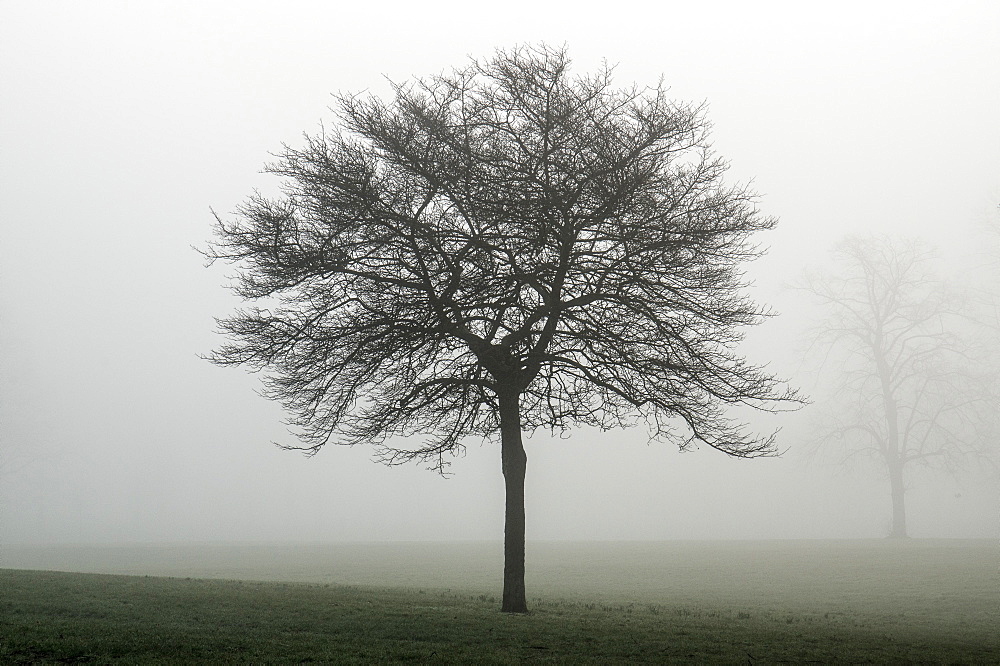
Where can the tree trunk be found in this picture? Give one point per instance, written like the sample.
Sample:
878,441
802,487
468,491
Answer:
514,463
893,448
898,501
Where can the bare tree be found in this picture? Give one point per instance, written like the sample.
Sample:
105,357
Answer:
496,250
910,394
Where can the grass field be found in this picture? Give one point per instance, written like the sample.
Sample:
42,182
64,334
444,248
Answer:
732,602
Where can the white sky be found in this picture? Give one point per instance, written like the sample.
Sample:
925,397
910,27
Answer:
122,123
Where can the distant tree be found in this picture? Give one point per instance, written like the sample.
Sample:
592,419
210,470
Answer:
497,250
909,391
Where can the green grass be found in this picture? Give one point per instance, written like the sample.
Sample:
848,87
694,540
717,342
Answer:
848,602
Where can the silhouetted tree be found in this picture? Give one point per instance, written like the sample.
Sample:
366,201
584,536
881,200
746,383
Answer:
910,392
496,250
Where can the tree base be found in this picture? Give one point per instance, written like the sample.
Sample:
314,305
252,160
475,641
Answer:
517,609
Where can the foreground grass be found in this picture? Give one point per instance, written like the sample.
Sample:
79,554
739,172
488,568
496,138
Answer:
95,618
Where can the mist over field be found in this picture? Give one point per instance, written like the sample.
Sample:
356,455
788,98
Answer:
123,125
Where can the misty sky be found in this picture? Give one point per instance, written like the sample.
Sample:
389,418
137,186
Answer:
123,123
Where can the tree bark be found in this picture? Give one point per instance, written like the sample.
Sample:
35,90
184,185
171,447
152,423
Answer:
514,463
898,501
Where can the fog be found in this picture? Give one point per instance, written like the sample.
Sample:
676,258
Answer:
123,124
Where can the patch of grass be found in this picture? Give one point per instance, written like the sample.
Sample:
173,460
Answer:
48,617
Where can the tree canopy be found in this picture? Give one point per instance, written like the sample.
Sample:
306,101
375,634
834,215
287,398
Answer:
504,225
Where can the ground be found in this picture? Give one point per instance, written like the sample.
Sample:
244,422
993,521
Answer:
733,602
